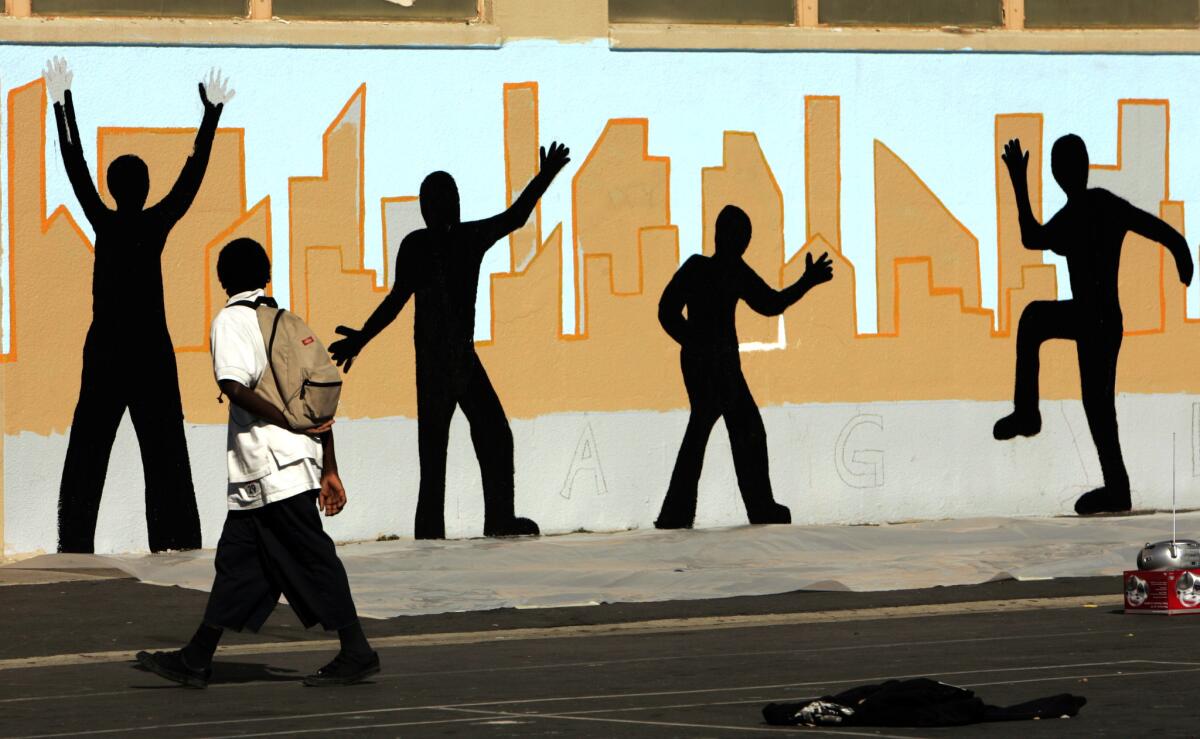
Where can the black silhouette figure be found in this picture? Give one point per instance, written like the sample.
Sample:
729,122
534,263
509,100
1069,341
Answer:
710,288
439,265
128,357
1089,232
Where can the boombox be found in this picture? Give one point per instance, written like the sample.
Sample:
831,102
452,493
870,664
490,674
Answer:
1180,554
1163,592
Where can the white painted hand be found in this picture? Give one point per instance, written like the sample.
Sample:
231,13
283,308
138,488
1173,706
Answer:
58,78
214,90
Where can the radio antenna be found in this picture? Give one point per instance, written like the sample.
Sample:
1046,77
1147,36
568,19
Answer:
1172,487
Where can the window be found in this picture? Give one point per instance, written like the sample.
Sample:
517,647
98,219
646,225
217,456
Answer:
1111,13
762,12
420,10
968,13
202,8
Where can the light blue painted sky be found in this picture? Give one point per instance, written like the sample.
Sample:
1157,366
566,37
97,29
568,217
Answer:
442,109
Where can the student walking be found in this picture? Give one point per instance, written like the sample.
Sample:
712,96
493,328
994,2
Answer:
272,541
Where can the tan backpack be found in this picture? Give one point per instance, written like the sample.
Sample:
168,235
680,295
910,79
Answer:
300,379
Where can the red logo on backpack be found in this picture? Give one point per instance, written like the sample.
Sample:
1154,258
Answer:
307,341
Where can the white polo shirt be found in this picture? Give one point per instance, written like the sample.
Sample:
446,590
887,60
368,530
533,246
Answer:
266,463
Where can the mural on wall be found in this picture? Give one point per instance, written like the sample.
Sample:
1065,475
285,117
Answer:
438,267
697,311
1090,232
927,268
566,322
128,357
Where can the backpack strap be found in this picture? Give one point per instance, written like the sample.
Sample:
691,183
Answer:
261,300
271,354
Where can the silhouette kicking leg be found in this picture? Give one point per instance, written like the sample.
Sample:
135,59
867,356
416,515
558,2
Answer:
679,507
1041,321
493,442
172,520
748,440
1098,354
93,429
435,408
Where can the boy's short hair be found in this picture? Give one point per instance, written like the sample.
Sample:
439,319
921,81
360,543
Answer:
242,266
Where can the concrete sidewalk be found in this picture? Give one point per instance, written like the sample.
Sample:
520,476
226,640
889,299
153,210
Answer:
408,577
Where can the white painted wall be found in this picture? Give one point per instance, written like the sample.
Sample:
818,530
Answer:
831,463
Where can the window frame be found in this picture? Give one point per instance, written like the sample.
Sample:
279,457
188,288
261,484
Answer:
590,20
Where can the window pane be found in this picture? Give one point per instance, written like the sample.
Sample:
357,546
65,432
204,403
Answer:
224,8
970,13
426,10
1120,13
775,12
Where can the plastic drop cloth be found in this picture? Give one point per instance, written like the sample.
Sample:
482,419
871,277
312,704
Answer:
408,577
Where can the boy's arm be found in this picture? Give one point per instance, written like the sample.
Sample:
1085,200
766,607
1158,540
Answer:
213,94
246,399
762,298
249,401
1156,229
1033,234
502,224
332,498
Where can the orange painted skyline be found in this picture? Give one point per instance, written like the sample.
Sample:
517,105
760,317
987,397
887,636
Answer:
935,340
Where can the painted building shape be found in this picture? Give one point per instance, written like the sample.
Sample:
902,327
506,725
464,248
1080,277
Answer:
935,341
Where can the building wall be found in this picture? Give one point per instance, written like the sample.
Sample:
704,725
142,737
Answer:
878,389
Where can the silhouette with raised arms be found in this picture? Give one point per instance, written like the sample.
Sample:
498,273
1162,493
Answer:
128,357
710,288
1089,231
439,266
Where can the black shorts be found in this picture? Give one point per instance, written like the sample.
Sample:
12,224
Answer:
278,548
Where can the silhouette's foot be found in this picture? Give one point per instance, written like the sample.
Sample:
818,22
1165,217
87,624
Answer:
1104,500
344,670
172,666
672,522
511,527
423,531
775,513
1017,424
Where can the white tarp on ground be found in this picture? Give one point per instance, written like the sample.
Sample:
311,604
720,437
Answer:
410,577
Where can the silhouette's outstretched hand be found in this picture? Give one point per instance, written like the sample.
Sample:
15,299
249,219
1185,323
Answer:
555,159
345,350
818,272
1016,160
1185,266
58,77
215,91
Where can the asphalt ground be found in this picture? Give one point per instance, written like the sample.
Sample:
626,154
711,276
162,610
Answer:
686,668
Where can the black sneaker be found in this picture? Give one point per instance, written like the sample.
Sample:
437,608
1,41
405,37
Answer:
343,670
511,527
774,513
1017,424
1104,500
171,666
666,522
